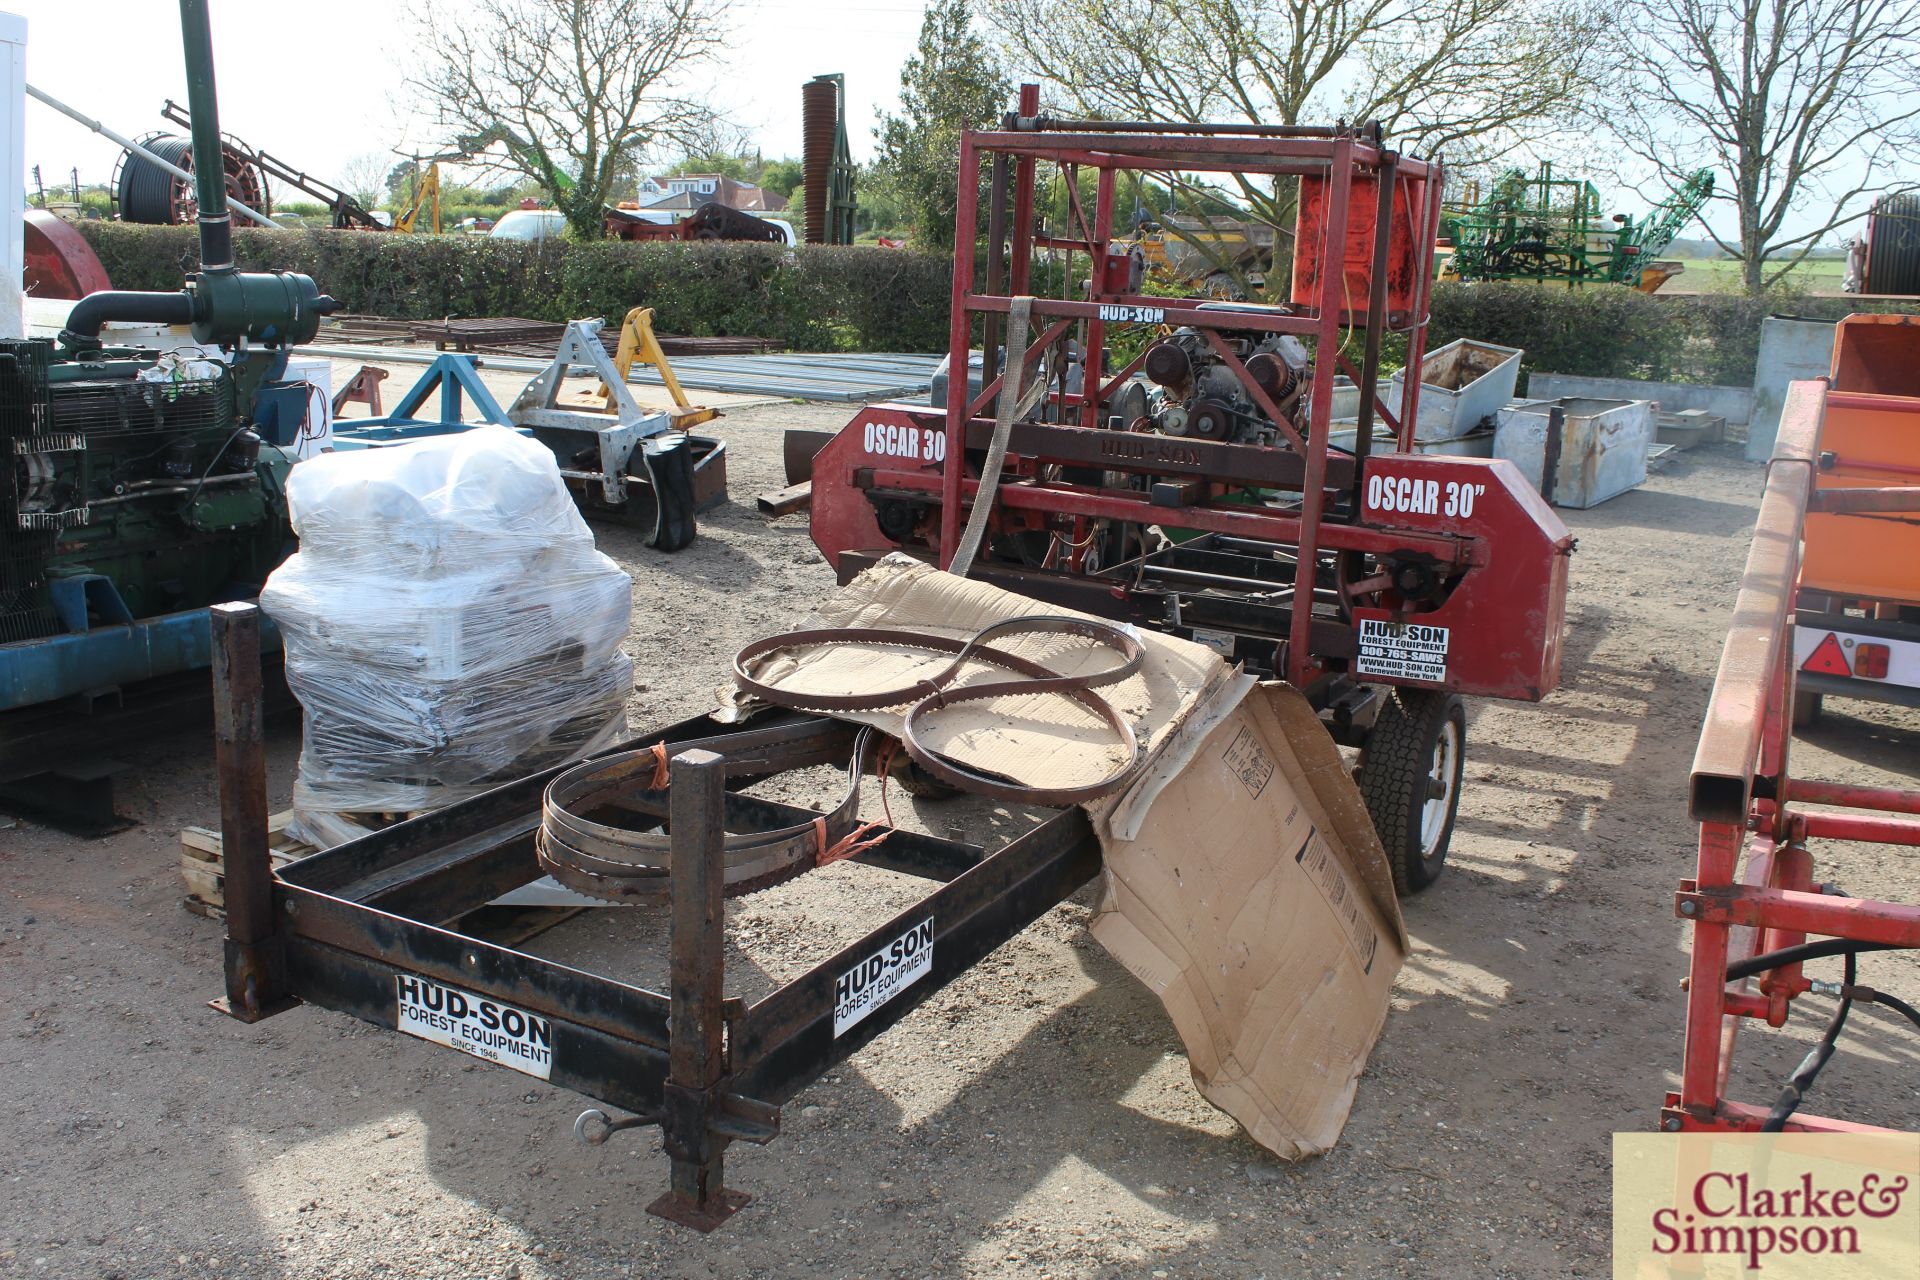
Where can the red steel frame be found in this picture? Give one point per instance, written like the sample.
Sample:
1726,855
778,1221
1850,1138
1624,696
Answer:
1744,797
1334,154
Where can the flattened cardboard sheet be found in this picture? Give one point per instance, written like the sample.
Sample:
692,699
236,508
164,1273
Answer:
1256,902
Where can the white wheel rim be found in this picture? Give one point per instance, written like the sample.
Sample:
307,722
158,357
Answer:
1442,775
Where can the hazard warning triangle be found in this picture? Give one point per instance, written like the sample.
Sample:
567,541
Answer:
1827,658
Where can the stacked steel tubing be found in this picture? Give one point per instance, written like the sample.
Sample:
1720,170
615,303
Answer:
1744,797
1334,153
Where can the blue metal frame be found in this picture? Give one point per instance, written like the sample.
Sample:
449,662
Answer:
456,378
33,672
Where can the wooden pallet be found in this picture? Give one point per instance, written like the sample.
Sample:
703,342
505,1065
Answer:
470,334
365,330
202,869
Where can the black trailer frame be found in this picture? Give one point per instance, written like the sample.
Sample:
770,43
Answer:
344,927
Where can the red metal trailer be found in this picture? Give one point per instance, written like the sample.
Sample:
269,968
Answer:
1755,922
1198,486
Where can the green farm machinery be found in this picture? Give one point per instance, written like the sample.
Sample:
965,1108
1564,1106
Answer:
142,479
1539,227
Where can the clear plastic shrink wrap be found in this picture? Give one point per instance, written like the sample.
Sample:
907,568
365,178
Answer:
448,624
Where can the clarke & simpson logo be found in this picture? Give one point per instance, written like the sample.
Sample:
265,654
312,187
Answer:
1727,1215
1783,1206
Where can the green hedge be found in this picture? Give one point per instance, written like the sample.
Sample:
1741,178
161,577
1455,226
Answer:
864,298
819,298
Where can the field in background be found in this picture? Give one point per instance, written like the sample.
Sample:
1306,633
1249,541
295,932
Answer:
1722,275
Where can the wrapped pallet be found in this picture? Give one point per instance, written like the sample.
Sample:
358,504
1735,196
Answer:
448,625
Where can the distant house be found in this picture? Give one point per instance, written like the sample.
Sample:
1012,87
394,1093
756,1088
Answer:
650,190
690,191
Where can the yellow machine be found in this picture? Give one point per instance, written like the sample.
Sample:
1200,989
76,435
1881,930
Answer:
639,346
1202,254
428,196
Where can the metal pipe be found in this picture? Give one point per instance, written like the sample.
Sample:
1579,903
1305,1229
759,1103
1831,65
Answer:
90,123
1046,124
960,344
1301,666
1279,590
1873,828
209,161
140,489
1891,799
1023,171
91,312
996,267
1387,179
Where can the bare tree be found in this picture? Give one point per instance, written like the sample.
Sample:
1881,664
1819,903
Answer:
1808,105
1467,79
364,177
565,92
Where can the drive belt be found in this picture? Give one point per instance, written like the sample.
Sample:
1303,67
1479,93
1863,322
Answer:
620,864
924,699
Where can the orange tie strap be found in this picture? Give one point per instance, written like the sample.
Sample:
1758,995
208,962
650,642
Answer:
849,844
661,774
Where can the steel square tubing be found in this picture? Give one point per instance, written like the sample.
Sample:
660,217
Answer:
1757,646
1259,321
320,929
611,1038
1744,1117
1301,666
1762,907
960,335
362,865
1178,149
1220,517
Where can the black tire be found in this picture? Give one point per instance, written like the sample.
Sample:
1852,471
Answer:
1807,707
1397,778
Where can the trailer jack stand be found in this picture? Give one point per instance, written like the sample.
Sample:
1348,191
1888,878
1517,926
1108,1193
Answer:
696,1117
698,1126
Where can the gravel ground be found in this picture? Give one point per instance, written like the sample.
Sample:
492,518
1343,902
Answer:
1033,1119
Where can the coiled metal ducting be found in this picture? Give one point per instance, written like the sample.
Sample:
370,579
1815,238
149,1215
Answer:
1893,256
819,130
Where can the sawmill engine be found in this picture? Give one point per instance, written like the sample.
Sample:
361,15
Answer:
134,485
1196,395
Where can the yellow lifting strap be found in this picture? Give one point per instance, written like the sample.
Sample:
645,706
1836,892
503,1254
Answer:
639,346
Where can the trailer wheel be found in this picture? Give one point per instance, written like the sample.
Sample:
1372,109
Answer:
1409,775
